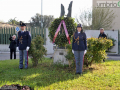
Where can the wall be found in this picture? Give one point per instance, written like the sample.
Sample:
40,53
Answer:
113,34
49,45
116,11
4,47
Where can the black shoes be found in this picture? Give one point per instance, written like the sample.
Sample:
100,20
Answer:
22,68
78,73
103,60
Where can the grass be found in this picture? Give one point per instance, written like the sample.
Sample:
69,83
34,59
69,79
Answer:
46,76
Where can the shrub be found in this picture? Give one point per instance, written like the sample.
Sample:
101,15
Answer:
95,53
96,50
70,55
37,50
61,39
113,40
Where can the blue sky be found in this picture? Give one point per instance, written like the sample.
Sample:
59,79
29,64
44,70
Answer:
23,10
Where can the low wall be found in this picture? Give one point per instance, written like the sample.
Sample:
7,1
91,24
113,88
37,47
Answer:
4,48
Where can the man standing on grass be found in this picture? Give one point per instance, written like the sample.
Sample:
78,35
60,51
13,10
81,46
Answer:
23,44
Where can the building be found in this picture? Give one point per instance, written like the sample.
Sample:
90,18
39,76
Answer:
6,25
113,5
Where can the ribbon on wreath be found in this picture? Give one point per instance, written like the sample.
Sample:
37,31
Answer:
58,29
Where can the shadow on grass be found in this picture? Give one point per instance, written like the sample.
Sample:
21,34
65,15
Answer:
43,75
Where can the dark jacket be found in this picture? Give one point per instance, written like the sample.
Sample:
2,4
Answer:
24,40
79,41
13,43
102,35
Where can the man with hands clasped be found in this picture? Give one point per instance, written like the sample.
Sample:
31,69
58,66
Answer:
23,45
79,47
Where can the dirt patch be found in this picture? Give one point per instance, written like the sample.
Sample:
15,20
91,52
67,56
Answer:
15,87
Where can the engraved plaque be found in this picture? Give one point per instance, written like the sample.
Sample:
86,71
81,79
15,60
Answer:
61,53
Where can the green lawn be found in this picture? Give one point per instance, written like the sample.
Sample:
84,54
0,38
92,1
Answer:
46,76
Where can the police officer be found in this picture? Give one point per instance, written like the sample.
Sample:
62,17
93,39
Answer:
79,47
23,44
12,46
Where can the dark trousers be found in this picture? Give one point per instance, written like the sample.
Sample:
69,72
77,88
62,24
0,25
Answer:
11,52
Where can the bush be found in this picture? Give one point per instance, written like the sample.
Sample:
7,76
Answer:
37,50
70,55
95,53
113,40
96,50
61,39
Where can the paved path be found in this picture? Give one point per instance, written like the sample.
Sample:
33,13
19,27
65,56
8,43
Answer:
6,56
113,57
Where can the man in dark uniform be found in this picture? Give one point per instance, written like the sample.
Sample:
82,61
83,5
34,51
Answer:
23,44
102,35
13,46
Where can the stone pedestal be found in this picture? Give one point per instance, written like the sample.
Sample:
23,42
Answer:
59,57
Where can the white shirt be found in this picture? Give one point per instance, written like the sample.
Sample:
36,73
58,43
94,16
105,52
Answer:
22,31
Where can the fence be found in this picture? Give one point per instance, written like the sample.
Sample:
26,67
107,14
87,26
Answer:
5,33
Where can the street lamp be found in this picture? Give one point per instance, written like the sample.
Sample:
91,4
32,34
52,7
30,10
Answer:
41,14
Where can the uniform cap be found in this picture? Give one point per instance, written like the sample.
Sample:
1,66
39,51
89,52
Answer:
22,24
79,25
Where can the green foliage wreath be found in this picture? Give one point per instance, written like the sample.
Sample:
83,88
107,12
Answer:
61,39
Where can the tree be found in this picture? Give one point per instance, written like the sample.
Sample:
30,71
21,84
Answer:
1,21
97,18
36,20
13,21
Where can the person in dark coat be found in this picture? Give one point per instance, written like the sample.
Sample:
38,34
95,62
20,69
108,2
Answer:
12,46
23,44
102,35
79,48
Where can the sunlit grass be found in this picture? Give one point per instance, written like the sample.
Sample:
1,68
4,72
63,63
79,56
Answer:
46,76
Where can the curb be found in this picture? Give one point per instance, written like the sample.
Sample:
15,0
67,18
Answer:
18,52
6,52
113,54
